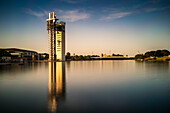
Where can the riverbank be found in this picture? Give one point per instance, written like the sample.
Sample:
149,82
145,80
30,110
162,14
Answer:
163,59
112,58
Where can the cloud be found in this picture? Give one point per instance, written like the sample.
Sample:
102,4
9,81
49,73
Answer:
151,9
113,13
74,15
150,6
116,15
111,9
66,15
34,13
72,1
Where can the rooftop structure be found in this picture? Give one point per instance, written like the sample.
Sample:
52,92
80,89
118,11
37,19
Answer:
16,50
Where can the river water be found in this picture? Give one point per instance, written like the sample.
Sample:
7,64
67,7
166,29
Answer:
109,86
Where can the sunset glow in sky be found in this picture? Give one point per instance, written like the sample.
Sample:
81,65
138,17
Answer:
92,26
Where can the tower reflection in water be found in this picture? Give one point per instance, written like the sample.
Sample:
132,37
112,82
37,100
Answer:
56,85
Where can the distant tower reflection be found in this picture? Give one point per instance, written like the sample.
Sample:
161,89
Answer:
56,84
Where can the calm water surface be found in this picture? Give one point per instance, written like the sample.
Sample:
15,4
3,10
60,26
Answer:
85,87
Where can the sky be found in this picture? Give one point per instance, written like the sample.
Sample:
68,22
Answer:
125,27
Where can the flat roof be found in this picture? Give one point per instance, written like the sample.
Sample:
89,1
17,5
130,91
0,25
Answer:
16,49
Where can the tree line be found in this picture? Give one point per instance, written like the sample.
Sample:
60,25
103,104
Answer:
154,54
79,57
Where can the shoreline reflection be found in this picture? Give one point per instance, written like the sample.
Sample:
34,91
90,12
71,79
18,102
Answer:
56,85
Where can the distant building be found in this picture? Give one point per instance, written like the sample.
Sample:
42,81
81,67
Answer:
117,55
56,30
19,59
104,55
6,58
21,54
113,55
43,56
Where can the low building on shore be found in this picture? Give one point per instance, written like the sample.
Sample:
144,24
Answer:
112,56
18,55
43,56
5,58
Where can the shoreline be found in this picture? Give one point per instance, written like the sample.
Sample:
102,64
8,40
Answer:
157,59
39,61
22,63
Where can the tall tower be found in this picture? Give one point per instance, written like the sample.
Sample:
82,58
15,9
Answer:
61,41
56,30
